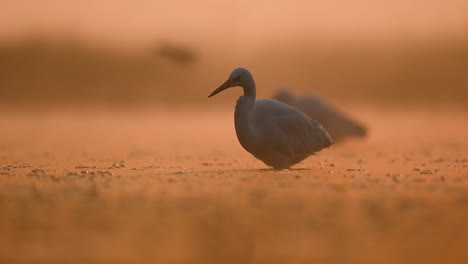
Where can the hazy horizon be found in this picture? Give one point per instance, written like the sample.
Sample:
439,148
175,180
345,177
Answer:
243,24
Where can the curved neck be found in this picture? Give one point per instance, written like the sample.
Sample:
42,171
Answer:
248,84
245,130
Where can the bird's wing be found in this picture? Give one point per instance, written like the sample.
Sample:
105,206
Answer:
292,132
304,135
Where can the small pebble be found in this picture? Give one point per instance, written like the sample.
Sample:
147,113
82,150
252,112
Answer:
426,172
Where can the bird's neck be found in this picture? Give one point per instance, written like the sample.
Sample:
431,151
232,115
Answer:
248,84
243,122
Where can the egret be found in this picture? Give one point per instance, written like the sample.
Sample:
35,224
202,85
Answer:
273,132
337,123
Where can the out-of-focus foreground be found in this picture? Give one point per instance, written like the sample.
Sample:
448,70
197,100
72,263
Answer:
135,188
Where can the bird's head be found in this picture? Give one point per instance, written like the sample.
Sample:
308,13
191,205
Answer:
238,77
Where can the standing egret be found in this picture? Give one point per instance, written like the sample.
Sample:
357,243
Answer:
338,124
273,132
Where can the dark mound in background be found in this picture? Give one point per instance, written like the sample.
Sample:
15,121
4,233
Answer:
51,72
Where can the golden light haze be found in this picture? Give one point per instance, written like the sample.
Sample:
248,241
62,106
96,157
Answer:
111,152
239,23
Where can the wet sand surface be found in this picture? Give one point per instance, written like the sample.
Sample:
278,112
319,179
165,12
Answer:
176,187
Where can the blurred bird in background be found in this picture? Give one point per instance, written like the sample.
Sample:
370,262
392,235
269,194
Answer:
338,124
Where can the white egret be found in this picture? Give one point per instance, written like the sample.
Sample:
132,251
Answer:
273,132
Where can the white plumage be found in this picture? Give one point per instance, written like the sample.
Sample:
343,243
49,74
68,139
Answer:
275,133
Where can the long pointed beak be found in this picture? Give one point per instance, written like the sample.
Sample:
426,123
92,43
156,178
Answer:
223,87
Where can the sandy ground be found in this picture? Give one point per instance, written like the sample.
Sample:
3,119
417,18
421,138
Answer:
176,187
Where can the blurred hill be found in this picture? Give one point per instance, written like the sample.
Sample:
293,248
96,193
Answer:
54,72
